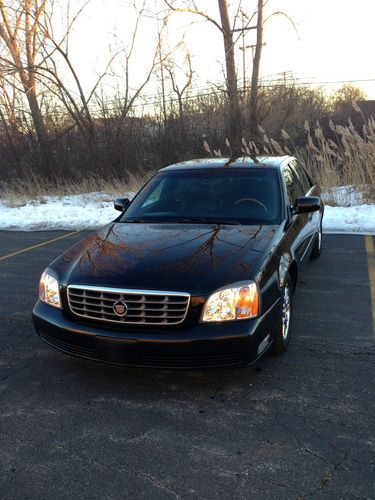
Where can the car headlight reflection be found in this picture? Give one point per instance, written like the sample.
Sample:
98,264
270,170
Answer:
49,290
237,302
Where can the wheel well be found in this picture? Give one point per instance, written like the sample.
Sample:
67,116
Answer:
293,274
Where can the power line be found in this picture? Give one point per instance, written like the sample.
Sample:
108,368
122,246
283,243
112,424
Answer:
152,100
334,81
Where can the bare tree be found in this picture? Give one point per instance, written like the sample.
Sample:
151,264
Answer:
227,31
131,95
178,89
19,32
56,68
261,20
8,120
50,74
234,103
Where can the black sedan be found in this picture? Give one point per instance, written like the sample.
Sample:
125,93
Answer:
199,270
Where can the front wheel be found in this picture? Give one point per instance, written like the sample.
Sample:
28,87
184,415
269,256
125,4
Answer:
282,335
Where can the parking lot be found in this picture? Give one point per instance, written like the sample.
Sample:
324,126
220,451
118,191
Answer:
297,426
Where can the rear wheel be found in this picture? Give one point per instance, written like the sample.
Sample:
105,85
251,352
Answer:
282,335
317,248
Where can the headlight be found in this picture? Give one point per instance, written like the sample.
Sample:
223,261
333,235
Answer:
49,289
241,301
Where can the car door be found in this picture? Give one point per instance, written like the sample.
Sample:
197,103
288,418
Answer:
299,224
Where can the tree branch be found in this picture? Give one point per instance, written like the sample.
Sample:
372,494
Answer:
194,11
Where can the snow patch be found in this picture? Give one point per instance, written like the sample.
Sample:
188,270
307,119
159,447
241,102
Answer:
93,210
86,211
359,219
344,196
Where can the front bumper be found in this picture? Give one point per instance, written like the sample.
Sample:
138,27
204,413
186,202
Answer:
202,346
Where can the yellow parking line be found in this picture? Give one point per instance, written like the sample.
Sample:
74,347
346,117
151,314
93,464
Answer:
37,246
371,272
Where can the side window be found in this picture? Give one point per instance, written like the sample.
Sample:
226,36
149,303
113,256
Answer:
302,177
292,186
154,196
298,185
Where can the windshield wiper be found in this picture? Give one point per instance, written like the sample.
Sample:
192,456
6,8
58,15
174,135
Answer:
136,220
184,220
208,221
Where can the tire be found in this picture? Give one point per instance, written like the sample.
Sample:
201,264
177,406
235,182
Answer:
317,248
283,332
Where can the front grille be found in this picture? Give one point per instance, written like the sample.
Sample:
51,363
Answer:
142,307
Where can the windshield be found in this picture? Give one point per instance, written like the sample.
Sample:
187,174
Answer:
225,195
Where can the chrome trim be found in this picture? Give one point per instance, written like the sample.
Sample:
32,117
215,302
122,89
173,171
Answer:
128,291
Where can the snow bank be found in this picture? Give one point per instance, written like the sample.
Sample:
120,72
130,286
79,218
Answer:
87,211
360,219
93,210
345,196
352,214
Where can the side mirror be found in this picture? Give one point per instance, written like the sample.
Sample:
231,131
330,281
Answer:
306,204
121,204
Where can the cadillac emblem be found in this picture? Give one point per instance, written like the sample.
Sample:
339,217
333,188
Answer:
120,308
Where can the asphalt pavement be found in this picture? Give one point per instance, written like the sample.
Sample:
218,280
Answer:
297,426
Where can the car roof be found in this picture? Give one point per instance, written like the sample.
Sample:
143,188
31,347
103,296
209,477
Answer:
275,162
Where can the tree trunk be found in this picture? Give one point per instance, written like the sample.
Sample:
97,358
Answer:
39,125
37,117
254,131
26,74
8,134
180,107
235,128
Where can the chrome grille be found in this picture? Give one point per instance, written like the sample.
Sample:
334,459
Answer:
143,307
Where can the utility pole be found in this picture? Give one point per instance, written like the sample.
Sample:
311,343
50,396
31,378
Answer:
244,48
162,77
227,31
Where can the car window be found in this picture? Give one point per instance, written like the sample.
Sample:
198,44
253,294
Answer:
293,187
302,176
155,194
238,195
299,188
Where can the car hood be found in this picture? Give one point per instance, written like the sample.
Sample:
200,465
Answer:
194,258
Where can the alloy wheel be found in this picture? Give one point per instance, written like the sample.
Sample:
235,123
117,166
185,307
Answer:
285,314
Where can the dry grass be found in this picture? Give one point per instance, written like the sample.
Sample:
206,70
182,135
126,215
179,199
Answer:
32,188
347,159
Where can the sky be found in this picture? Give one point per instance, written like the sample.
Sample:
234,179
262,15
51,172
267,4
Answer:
333,43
